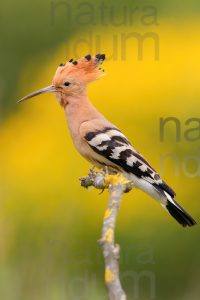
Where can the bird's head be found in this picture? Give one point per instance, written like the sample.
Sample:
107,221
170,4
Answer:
72,78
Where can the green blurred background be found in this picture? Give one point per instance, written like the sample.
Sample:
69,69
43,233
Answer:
49,225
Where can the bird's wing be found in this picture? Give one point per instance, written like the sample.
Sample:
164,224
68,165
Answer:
114,146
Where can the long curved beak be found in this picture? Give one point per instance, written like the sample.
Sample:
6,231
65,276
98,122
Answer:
50,88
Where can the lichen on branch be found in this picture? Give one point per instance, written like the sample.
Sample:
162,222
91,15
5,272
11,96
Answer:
117,184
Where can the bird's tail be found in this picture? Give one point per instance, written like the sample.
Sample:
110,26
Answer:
178,213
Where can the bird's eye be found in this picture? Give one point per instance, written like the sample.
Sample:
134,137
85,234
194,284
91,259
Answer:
66,83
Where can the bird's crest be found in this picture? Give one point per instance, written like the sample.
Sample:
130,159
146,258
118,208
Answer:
86,69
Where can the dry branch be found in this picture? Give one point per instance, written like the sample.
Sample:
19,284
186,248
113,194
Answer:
117,185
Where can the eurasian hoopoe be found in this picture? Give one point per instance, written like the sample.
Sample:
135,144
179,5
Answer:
98,140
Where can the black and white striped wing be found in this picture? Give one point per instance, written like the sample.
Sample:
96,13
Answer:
114,146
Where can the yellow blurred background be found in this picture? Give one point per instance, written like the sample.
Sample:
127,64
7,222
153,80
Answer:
49,225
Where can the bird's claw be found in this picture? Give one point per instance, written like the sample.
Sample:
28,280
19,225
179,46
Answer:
102,190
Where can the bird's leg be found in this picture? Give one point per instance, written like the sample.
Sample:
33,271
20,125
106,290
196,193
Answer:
106,171
92,169
109,170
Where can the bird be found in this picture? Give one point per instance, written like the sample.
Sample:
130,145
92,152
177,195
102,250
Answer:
98,140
